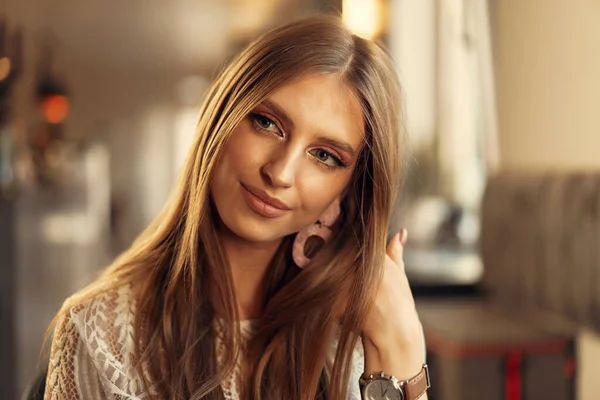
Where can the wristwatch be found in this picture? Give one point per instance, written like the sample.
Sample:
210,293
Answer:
387,387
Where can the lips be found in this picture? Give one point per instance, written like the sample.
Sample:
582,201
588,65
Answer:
263,204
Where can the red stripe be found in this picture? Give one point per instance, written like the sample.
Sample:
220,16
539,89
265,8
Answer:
513,382
570,367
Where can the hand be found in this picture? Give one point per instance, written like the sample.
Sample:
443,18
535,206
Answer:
392,334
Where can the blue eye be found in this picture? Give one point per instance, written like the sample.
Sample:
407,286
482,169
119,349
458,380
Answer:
264,123
322,155
327,159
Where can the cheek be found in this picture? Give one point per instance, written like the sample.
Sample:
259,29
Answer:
318,191
240,152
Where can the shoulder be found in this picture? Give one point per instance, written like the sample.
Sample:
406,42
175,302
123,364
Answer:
105,314
104,324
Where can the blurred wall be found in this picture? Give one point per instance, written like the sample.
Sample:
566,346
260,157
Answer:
548,82
548,63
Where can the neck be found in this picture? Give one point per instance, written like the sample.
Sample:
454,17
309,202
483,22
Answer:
249,262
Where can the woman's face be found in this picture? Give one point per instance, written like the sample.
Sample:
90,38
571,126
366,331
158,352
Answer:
289,159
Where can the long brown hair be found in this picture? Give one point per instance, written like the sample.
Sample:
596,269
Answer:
182,282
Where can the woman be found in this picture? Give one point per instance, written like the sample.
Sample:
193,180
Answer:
234,291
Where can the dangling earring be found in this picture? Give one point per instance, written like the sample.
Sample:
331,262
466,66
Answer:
321,229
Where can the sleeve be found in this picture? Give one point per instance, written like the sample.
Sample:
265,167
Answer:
358,367
71,372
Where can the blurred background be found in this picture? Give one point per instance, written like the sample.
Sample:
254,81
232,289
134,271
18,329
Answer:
98,103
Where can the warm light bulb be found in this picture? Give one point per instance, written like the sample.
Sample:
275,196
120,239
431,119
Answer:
55,108
363,17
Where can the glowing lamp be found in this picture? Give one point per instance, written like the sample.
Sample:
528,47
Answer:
55,108
363,17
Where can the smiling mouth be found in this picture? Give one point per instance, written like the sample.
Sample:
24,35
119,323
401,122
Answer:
262,204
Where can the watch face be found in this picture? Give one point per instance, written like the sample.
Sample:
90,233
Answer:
382,389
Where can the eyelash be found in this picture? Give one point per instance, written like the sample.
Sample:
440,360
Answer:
255,117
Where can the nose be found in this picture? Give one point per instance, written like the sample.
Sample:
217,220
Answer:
280,170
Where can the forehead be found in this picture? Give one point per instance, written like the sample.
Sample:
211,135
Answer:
323,104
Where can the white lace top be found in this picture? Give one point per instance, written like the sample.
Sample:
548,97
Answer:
92,349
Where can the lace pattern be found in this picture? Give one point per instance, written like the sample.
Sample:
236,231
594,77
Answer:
62,369
92,351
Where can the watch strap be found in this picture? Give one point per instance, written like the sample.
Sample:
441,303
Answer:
416,387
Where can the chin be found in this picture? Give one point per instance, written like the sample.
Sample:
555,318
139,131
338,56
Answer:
252,229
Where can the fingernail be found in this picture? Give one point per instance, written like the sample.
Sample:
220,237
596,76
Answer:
403,236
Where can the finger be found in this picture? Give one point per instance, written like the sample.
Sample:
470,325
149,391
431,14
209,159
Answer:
395,249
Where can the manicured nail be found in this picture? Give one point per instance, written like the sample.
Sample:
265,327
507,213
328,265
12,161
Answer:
403,236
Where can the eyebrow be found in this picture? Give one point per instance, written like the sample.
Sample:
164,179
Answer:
276,109
337,143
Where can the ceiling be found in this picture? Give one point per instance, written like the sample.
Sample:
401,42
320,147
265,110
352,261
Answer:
146,34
